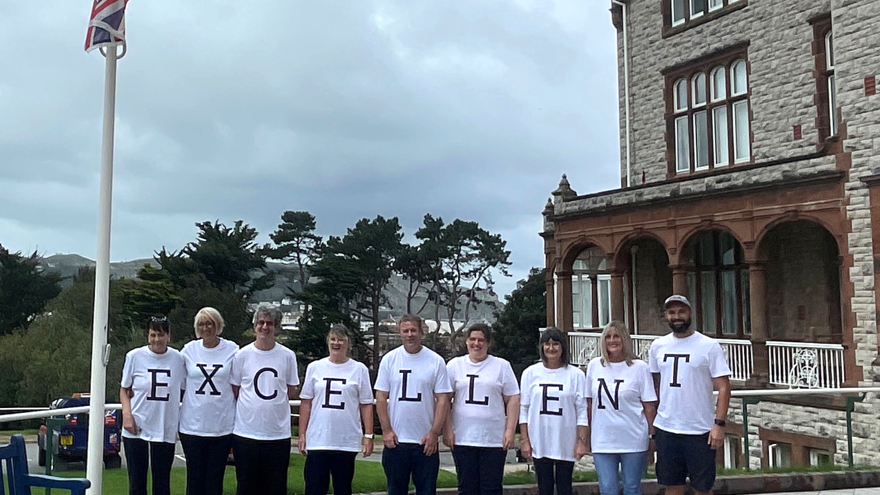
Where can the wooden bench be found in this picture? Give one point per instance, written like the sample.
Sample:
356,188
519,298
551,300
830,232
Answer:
14,467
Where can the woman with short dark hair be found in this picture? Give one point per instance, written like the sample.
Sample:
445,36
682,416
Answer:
152,380
553,406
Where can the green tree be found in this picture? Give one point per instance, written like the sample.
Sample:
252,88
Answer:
229,257
515,332
199,293
24,289
296,242
467,255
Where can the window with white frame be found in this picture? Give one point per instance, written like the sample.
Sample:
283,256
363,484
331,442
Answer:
826,82
684,11
731,452
821,458
709,115
779,455
832,89
590,290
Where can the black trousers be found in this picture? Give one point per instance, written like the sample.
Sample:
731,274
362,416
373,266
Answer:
205,463
321,464
409,460
261,465
554,473
480,469
140,455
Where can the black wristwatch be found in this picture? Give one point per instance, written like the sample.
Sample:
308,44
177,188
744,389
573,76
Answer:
720,422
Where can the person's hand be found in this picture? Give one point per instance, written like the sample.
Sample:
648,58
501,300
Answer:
449,439
129,425
580,449
301,444
367,447
430,442
507,440
716,437
389,438
525,449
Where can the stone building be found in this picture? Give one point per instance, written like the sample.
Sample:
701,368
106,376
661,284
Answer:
750,136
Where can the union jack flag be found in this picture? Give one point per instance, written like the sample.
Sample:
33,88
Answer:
106,24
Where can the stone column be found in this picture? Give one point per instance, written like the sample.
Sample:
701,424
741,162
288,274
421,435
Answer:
617,306
565,314
758,304
594,301
679,280
550,299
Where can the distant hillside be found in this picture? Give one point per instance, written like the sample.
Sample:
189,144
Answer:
67,265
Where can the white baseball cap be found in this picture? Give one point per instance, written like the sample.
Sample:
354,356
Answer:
678,299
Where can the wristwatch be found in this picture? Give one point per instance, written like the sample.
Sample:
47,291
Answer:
720,422
368,436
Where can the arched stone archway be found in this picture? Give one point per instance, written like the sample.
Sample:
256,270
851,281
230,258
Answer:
647,283
803,283
717,283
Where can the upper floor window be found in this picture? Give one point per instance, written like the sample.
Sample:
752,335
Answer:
708,119
826,88
829,75
682,12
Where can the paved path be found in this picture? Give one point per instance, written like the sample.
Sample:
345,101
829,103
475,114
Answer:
849,491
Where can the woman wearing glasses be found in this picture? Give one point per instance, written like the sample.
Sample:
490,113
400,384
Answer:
335,418
208,411
152,381
552,407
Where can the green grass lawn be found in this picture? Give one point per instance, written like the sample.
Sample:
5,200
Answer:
368,477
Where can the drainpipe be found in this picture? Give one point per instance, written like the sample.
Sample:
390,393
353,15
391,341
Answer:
635,306
623,5
850,407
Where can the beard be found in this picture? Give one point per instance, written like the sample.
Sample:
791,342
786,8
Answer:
680,326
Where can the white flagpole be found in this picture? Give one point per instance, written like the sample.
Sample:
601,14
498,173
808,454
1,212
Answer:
100,349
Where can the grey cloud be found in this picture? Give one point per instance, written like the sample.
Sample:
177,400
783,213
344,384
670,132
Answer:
228,110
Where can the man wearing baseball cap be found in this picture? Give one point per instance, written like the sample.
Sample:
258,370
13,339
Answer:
687,366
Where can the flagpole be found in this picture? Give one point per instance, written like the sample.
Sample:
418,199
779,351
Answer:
100,349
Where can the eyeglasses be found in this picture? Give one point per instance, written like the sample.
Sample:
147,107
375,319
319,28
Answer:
155,318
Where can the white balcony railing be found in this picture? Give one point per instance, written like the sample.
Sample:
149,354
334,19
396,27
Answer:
739,358
806,365
585,346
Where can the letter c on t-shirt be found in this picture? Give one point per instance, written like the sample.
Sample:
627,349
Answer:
257,383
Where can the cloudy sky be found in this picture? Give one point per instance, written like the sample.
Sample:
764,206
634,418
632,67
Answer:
233,110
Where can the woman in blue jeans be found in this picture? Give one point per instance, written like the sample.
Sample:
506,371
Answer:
622,403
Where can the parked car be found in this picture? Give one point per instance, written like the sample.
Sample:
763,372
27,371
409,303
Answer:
70,439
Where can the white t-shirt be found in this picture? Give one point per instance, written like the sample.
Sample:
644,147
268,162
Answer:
337,392
553,404
263,409
208,407
411,381
618,423
687,367
478,410
156,380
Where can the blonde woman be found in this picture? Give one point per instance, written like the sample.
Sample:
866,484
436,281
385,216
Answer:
208,411
335,418
622,403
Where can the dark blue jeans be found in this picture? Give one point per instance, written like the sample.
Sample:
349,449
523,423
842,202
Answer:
409,459
480,469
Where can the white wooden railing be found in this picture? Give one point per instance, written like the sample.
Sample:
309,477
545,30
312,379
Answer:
739,358
806,365
585,346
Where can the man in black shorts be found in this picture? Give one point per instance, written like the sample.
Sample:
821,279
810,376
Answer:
687,366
